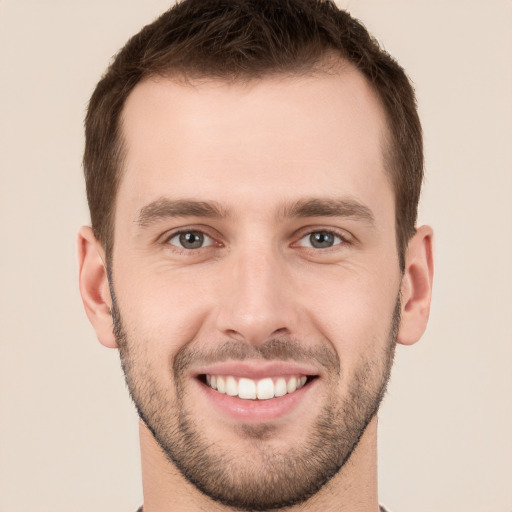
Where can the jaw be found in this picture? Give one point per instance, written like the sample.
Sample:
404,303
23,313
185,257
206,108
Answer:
354,487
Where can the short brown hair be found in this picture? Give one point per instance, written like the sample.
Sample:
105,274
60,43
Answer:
240,40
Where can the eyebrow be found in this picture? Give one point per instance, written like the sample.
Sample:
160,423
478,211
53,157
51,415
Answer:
315,207
164,208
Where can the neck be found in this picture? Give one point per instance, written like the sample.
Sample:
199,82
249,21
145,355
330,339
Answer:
354,488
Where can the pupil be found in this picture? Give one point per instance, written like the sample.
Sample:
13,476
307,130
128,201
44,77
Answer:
321,240
191,240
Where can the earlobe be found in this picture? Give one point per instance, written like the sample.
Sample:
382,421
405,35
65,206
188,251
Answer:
94,287
416,290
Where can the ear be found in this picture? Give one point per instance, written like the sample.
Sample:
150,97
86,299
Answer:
416,286
94,286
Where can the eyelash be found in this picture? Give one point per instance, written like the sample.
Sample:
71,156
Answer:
344,239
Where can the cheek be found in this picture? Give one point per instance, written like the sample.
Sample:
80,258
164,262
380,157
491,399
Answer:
161,310
353,312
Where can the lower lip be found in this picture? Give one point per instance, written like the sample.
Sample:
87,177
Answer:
256,411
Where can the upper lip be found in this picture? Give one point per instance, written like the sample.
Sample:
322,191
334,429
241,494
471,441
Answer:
257,369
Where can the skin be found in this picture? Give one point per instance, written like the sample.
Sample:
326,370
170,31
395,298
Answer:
255,150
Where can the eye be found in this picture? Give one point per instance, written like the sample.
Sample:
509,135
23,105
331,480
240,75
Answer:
320,240
190,240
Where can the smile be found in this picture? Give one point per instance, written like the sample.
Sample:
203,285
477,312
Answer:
251,389
255,391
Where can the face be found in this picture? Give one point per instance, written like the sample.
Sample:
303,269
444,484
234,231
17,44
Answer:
255,278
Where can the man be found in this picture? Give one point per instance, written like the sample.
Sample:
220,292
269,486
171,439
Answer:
253,171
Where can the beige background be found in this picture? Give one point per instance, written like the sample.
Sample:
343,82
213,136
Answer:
68,434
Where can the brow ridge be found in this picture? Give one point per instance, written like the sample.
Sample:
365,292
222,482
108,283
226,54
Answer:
164,208
329,207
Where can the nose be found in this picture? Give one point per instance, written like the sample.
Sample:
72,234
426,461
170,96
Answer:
256,301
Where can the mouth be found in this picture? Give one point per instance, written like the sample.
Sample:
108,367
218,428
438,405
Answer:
257,392
256,389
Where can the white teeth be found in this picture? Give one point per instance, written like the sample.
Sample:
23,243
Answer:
249,389
280,387
221,385
265,389
291,386
231,386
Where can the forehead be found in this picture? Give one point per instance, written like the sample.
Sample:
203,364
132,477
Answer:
277,138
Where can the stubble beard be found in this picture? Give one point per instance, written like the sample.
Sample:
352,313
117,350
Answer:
267,479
